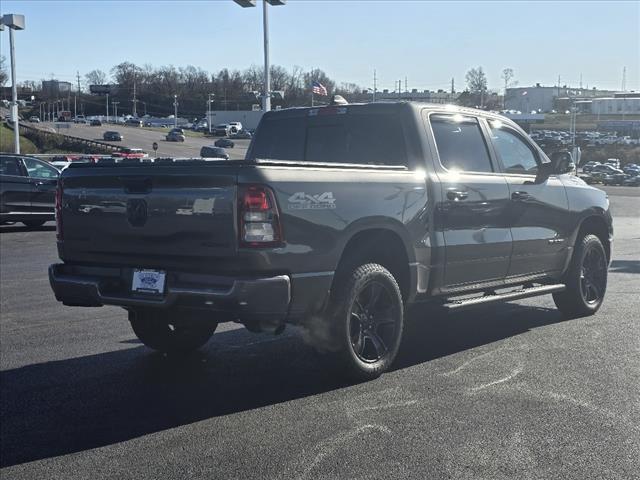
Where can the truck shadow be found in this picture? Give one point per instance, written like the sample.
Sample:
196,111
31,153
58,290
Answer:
18,227
625,266
76,404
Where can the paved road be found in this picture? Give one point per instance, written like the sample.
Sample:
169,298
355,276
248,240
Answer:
504,392
144,138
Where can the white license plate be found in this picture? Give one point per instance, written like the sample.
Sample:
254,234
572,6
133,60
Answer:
148,281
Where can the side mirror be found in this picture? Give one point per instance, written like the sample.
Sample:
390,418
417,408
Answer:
545,170
562,162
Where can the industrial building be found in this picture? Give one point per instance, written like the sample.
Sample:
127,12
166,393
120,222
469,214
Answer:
546,99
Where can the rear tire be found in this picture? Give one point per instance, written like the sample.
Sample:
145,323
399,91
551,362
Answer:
586,279
34,223
367,321
168,333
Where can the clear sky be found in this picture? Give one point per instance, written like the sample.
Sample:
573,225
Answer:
427,42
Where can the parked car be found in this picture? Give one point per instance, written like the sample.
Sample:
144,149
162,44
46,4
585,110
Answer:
112,136
614,162
235,127
27,190
614,178
631,181
589,166
79,119
95,123
337,220
133,122
241,135
131,153
224,143
213,152
174,136
34,119
221,130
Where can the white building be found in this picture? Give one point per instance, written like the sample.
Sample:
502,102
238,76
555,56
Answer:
543,99
616,106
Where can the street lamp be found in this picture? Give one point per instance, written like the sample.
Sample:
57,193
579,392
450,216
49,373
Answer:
175,111
266,99
14,22
115,109
209,112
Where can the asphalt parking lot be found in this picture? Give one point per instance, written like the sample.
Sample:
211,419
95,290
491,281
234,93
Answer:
136,137
513,391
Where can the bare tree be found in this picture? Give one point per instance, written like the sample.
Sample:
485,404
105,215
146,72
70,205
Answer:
4,76
95,77
476,80
477,83
507,76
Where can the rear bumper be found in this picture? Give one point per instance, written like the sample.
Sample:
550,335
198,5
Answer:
241,299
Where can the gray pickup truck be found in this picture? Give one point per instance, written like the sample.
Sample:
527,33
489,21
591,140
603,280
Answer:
337,219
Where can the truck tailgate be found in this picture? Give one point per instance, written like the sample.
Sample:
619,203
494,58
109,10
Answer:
149,215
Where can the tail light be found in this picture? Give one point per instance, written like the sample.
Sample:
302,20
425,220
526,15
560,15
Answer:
58,210
259,218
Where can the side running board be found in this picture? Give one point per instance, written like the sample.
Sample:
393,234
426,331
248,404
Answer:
461,304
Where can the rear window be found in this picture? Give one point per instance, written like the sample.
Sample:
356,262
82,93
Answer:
374,139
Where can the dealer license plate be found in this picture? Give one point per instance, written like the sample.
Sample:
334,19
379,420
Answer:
148,281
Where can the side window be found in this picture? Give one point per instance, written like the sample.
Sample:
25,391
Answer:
460,143
516,155
10,166
37,169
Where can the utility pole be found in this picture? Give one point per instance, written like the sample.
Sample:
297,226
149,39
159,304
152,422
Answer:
558,85
580,81
405,85
115,110
75,98
624,79
453,85
209,117
135,100
375,85
107,120
175,111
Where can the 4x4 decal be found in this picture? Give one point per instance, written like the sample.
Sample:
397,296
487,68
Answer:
305,201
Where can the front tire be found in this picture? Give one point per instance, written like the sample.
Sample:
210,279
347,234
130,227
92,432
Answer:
368,321
167,332
586,279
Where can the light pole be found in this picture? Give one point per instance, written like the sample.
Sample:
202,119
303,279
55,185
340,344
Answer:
209,112
115,109
14,22
175,111
266,96
107,120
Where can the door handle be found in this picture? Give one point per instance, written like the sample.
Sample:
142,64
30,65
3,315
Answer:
456,194
520,196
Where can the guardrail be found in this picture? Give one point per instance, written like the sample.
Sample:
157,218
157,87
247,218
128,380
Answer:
107,147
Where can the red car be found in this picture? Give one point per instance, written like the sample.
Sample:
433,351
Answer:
131,153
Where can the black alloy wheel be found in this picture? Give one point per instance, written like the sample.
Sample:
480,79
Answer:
372,326
593,275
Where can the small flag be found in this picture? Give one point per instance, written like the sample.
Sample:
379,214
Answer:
319,89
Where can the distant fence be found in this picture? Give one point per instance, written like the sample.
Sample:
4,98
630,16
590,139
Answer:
106,147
